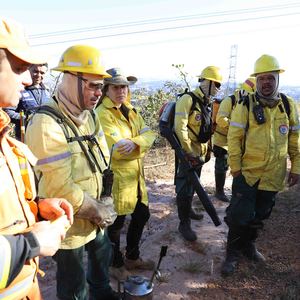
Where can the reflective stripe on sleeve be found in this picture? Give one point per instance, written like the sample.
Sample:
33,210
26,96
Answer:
54,158
295,128
5,258
180,114
23,166
239,125
18,289
145,129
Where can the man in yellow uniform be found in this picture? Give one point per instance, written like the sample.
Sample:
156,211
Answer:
23,238
263,131
220,145
194,129
68,140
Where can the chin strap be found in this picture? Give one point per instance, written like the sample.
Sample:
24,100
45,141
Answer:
79,89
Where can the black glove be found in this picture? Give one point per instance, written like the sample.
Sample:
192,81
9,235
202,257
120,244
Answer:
195,161
99,212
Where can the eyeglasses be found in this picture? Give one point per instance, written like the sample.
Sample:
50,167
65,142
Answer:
89,84
217,84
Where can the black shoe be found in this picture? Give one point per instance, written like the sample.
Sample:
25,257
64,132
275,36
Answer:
253,254
222,197
187,232
229,265
195,216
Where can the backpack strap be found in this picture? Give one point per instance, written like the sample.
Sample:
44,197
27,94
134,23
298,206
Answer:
65,123
286,104
232,97
195,100
245,100
204,112
57,116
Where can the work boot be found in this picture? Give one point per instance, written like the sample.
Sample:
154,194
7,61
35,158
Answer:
139,263
230,263
195,216
184,207
234,242
252,253
186,231
249,249
220,182
222,197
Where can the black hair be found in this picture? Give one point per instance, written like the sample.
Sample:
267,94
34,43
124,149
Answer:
104,91
40,65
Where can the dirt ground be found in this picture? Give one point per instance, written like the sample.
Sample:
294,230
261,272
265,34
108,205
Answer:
192,270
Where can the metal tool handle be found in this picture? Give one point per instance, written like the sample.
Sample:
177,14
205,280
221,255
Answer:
163,252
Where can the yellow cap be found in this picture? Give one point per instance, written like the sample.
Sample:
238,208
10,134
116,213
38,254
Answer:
12,38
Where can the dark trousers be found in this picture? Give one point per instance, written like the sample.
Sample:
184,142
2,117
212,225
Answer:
184,186
71,278
221,155
139,218
249,206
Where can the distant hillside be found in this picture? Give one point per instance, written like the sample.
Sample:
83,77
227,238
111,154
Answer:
152,85
293,91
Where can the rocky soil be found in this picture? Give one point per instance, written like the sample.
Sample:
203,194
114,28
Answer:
192,270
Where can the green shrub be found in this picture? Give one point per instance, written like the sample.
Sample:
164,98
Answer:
149,105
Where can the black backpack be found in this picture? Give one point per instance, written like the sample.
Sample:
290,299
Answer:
167,115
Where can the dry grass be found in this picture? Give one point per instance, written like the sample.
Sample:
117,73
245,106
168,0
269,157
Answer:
278,279
159,164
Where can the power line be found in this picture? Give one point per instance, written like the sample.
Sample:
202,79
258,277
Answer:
165,20
170,40
166,29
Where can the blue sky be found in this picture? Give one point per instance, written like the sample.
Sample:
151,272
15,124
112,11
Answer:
153,35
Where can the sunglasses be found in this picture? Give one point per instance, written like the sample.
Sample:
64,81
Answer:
217,84
90,85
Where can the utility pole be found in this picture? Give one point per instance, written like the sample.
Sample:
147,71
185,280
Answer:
231,83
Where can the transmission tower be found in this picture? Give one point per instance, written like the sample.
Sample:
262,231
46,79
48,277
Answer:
231,83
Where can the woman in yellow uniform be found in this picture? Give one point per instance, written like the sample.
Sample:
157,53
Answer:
126,132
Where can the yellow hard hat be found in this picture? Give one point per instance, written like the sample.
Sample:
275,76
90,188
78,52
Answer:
211,73
249,85
266,63
82,59
12,38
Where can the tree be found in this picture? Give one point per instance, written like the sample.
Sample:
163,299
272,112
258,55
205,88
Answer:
183,75
149,104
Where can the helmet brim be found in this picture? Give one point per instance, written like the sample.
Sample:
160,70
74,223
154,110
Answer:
102,73
27,54
120,80
279,71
